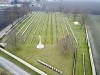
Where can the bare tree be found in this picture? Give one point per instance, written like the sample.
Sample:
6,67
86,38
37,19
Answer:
16,41
65,12
10,15
43,7
25,8
62,44
61,6
75,12
18,11
3,73
61,9
83,19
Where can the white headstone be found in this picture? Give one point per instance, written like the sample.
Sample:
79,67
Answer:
76,23
40,45
3,44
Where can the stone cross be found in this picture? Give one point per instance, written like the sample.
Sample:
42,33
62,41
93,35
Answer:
40,45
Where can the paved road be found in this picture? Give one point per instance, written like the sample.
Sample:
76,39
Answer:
15,70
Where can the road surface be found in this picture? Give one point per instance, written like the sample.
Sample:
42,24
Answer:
15,70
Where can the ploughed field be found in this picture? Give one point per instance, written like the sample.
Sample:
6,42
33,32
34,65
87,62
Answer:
53,28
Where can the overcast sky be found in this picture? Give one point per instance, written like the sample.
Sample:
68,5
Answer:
65,0
75,0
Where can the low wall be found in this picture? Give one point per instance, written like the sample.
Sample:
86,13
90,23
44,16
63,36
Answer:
23,62
90,53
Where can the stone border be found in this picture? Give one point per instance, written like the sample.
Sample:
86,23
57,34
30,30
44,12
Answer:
74,62
90,53
83,63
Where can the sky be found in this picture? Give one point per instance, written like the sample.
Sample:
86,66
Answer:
76,0
64,0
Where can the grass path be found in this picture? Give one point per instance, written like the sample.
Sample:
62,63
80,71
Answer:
46,29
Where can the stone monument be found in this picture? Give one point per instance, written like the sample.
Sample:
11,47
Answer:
40,45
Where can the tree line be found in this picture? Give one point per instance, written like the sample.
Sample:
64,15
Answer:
13,13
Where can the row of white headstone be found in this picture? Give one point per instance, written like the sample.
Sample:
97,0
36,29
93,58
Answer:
58,71
35,28
28,25
30,30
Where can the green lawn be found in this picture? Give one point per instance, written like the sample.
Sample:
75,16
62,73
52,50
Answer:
45,24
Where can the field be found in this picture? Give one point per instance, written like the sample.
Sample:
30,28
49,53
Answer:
52,27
